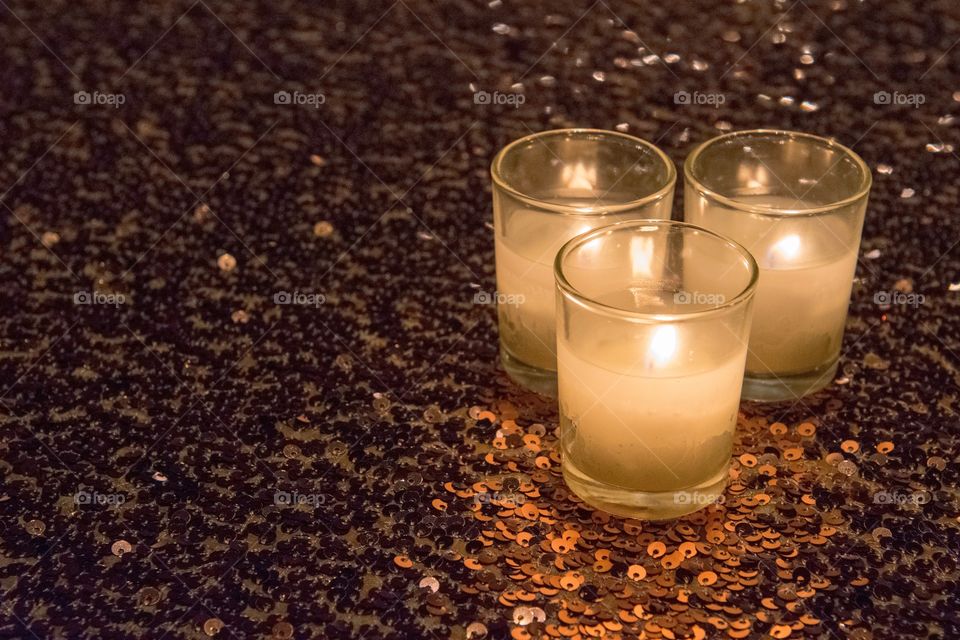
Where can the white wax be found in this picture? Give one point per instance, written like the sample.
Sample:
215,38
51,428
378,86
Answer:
807,264
645,415
799,316
527,243
526,281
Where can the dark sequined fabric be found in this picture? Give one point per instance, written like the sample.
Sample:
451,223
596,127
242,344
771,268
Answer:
247,387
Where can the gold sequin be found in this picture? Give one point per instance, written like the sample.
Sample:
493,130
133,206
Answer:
35,527
323,229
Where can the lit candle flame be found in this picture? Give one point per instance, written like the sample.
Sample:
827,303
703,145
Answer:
784,251
663,346
580,176
753,176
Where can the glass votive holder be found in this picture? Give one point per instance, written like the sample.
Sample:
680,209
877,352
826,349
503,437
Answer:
797,202
652,329
547,188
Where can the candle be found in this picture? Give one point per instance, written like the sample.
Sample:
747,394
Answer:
806,271
548,188
797,203
524,259
652,340
635,425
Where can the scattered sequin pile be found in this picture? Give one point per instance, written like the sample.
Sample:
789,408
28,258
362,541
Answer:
787,539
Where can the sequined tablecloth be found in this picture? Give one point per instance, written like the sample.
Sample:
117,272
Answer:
247,386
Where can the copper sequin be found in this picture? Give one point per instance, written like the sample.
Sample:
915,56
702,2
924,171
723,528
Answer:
213,626
323,229
885,447
121,547
693,565
226,262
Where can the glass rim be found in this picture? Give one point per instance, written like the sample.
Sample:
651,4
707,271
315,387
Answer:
593,210
862,191
564,285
